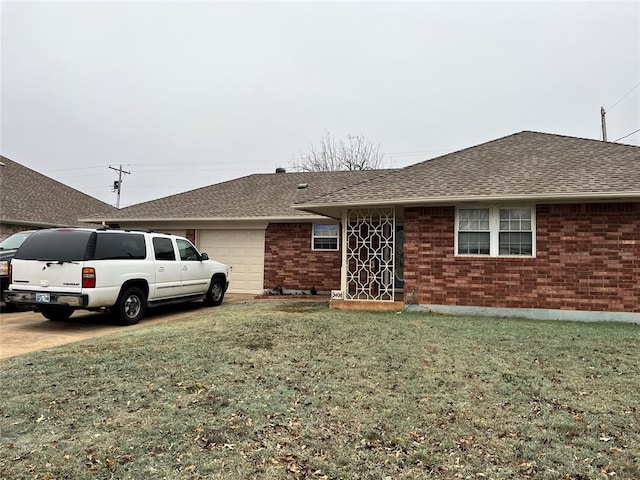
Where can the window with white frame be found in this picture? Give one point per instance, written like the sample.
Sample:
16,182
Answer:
495,231
325,236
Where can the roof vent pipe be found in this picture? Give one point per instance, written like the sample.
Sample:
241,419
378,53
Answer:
302,186
280,170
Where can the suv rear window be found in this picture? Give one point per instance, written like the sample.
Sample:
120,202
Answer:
55,245
111,246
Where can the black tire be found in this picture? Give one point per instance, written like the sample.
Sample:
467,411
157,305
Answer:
60,314
8,308
131,306
215,294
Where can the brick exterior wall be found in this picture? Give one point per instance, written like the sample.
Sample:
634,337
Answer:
290,263
588,258
6,230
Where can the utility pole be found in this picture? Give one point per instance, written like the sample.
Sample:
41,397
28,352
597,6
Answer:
117,184
604,124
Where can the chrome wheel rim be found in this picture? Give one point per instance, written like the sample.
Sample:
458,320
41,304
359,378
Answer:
132,306
216,291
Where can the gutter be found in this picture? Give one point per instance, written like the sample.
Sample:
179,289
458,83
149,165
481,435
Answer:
297,218
549,198
26,223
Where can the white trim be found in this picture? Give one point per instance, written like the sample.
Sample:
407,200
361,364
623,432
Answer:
197,225
343,265
494,231
633,196
282,219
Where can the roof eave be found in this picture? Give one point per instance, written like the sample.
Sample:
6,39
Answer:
28,223
281,218
541,198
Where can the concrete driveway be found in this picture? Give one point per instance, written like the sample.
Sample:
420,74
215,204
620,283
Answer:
22,332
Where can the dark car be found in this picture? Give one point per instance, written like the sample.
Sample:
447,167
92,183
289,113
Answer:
8,249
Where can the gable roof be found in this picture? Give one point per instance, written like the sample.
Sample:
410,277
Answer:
266,196
30,198
525,165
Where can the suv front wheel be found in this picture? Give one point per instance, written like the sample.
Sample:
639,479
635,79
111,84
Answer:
215,294
131,306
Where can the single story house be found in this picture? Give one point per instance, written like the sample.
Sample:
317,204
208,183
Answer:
249,224
30,200
532,224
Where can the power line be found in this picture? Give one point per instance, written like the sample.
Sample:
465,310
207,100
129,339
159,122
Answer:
623,97
67,169
635,131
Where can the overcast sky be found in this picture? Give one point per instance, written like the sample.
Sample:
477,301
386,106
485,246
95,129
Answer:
188,94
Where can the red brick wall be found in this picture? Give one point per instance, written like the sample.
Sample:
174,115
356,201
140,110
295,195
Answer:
6,230
588,258
290,263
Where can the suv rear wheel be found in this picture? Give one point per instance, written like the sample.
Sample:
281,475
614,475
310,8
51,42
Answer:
57,314
131,306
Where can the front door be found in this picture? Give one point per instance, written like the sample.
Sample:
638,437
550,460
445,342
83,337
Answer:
369,245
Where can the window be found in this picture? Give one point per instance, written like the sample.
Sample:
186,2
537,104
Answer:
110,246
163,248
60,245
516,236
187,251
473,231
495,231
325,236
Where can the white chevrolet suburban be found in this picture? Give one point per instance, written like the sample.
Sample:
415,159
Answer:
57,271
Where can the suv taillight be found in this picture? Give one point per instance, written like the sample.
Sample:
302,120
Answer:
88,277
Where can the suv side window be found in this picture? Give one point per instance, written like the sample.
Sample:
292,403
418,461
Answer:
163,248
187,251
120,246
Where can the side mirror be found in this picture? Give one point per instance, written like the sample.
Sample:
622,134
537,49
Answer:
204,256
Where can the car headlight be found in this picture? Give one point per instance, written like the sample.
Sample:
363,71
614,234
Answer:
4,268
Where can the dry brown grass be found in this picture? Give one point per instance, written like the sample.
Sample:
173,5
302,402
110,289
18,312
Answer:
275,390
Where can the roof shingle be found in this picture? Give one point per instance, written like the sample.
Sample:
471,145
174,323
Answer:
268,196
523,164
29,197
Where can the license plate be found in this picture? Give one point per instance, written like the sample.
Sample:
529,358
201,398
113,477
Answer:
43,297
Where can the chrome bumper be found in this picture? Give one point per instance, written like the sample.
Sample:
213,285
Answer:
39,299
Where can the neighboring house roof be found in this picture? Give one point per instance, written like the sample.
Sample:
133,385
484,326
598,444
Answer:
260,196
526,165
30,198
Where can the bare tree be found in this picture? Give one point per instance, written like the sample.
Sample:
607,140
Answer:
351,153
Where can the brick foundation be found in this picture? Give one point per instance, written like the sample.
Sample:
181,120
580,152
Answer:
291,264
588,258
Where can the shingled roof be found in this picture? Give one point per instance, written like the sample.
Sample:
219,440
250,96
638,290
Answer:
30,198
526,165
259,196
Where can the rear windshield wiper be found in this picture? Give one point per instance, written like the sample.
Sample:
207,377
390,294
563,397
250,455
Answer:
60,262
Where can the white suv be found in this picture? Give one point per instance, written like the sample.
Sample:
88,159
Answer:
60,270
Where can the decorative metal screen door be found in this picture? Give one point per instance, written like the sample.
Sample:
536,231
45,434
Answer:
369,239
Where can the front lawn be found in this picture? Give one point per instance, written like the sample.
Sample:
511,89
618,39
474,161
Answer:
276,390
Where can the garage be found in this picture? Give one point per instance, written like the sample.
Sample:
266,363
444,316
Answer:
243,251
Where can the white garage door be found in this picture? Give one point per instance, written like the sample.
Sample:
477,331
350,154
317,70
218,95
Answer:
243,251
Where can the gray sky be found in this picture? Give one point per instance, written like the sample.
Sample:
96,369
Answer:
188,94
